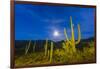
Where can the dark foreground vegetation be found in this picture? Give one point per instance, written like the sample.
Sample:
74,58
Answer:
37,54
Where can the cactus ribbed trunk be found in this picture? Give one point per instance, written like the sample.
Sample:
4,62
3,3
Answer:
27,48
46,46
34,46
51,52
73,38
48,54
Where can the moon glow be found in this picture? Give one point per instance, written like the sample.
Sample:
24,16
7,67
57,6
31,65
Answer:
56,33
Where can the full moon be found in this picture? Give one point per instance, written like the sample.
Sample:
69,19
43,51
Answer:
56,33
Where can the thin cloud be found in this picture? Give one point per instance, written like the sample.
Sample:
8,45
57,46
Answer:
54,21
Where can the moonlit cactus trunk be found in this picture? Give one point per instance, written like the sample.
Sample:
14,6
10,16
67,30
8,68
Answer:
27,47
34,46
51,52
46,47
48,54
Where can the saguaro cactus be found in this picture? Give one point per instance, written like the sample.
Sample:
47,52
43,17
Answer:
34,46
27,47
46,46
72,41
51,52
48,54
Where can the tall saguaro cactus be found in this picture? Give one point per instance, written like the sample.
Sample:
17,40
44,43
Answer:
51,52
72,41
48,54
46,46
34,46
27,47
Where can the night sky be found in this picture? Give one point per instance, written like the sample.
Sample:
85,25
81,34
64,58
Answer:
38,22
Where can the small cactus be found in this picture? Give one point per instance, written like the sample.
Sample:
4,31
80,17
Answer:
48,54
34,46
51,52
27,47
46,47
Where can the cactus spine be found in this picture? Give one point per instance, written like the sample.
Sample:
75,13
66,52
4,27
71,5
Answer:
72,41
46,46
51,52
27,48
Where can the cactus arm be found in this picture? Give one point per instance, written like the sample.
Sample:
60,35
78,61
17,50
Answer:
28,47
64,45
51,52
46,47
66,36
79,35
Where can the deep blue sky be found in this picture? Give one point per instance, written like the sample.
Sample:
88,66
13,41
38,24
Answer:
38,22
